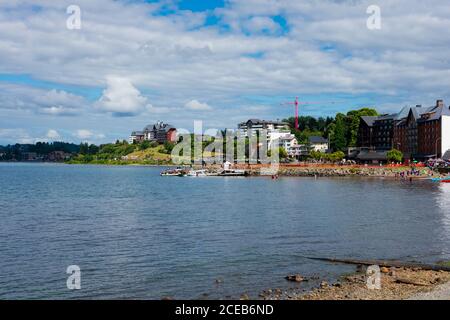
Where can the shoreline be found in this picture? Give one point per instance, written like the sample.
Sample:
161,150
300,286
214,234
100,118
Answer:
302,170
396,284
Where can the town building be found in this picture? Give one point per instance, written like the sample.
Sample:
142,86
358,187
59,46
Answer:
58,156
277,132
253,125
433,128
317,143
136,137
159,132
419,132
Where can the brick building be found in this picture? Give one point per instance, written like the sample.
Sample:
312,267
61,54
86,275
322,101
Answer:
159,132
420,133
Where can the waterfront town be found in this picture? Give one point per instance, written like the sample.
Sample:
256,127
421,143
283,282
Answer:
417,133
420,133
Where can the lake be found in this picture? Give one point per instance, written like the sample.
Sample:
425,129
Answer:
136,235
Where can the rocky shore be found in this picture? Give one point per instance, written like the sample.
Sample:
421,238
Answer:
345,171
396,284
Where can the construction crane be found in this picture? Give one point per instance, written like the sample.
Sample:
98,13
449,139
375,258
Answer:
296,103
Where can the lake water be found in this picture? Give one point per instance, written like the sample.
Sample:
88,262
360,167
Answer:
136,235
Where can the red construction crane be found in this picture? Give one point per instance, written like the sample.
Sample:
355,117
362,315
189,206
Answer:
296,103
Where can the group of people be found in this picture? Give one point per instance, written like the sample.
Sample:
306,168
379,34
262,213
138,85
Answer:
408,174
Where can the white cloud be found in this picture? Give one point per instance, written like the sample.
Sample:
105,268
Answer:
18,135
261,24
87,135
327,49
48,102
84,134
53,134
121,97
197,106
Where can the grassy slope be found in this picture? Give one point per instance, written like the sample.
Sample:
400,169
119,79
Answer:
155,154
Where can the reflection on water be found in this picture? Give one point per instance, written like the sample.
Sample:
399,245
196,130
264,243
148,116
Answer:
138,235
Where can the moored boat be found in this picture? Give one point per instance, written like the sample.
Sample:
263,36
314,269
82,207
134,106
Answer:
197,173
233,173
172,172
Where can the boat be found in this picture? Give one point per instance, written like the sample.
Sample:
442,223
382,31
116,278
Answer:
444,180
172,172
233,173
197,173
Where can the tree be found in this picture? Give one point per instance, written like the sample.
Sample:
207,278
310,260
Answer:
168,147
339,141
144,145
353,120
282,153
84,148
395,155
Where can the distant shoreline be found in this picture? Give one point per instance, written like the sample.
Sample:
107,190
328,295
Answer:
289,170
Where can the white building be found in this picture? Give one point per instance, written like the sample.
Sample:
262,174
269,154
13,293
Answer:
297,150
445,136
254,125
318,144
277,132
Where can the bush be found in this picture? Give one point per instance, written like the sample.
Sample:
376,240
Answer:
332,157
168,147
395,155
144,145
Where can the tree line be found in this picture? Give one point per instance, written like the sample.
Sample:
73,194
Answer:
342,130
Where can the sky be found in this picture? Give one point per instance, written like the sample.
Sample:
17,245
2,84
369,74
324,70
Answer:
132,63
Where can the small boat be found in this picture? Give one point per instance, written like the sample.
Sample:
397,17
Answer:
233,173
444,180
197,173
172,172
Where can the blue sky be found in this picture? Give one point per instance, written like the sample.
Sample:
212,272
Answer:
222,62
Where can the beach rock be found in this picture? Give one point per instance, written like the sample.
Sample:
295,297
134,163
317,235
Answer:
245,297
384,270
324,284
295,278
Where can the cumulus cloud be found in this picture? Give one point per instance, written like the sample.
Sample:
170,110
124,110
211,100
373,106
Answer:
16,135
88,135
53,134
326,49
261,24
121,97
197,106
49,102
84,134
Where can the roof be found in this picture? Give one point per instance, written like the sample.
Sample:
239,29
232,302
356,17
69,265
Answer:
386,117
287,137
159,126
434,113
317,140
369,120
137,133
446,155
372,155
259,121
